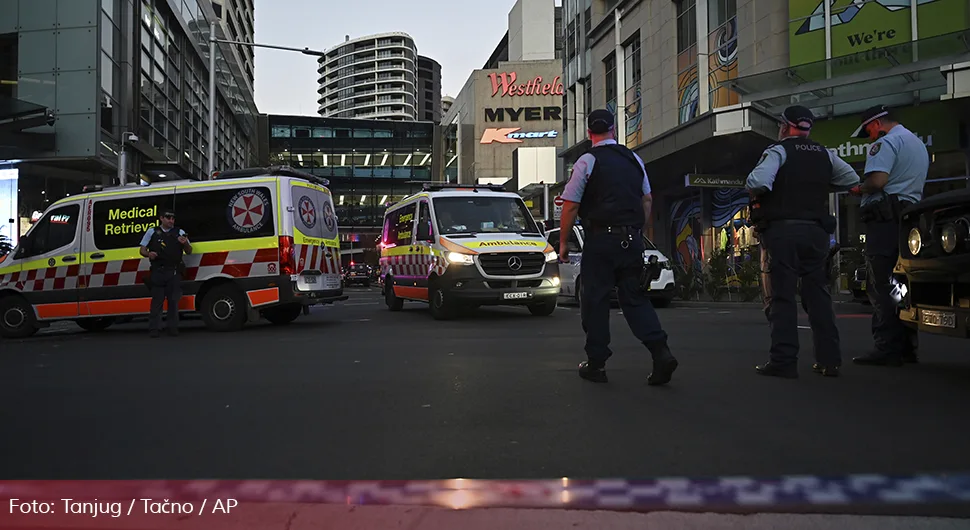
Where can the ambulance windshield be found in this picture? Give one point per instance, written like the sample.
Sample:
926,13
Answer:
477,214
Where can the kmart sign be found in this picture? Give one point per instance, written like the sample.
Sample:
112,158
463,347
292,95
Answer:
935,123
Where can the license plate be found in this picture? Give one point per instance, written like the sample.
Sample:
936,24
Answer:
938,319
331,281
310,279
515,296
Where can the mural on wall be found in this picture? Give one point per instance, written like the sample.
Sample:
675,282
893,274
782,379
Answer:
725,203
868,33
688,90
634,117
723,64
686,231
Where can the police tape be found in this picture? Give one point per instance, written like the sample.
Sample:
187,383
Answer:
635,495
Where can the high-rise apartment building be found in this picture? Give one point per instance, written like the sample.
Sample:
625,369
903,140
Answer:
377,77
82,79
429,89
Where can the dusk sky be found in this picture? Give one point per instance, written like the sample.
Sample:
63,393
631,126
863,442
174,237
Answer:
458,34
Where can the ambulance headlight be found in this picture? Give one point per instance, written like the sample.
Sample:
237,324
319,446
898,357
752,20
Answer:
915,241
460,259
551,256
556,281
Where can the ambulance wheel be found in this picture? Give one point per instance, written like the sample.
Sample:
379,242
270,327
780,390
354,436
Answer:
390,299
16,318
224,308
283,314
95,325
543,309
442,308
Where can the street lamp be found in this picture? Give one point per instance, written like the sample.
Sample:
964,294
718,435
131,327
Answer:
213,41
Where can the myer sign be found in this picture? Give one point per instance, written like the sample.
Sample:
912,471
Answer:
934,123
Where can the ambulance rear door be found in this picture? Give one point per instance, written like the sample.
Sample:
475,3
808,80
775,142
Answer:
315,239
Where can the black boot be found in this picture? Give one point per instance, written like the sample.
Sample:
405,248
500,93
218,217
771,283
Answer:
664,363
596,374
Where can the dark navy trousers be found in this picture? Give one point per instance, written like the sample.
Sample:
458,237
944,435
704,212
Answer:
614,260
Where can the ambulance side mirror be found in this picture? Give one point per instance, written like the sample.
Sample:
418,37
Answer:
424,232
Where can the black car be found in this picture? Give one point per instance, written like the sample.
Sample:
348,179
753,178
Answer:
932,276
358,274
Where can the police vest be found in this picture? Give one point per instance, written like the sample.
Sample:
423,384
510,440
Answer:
801,187
614,193
168,248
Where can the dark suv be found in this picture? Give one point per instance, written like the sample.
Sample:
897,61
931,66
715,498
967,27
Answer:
933,273
357,274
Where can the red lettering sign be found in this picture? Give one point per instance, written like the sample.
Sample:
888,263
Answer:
504,83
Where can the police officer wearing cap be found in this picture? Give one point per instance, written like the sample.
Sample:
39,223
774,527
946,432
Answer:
791,184
896,165
164,246
610,192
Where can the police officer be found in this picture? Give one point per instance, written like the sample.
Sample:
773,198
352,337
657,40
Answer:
896,167
792,183
164,246
610,192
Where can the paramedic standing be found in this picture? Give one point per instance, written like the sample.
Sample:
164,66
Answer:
791,185
164,246
610,192
896,167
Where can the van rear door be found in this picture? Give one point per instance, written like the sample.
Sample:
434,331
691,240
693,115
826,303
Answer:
315,240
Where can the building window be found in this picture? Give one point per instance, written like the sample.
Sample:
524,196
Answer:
610,89
280,131
571,40
631,86
720,11
688,91
686,25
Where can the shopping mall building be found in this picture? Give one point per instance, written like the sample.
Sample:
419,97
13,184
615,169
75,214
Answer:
699,84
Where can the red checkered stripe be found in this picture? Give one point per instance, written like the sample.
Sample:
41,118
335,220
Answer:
313,257
418,265
200,267
48,279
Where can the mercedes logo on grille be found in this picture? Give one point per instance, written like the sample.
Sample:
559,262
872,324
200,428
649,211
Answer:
515,263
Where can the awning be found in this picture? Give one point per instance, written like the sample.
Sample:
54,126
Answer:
16,116
727,140
905,69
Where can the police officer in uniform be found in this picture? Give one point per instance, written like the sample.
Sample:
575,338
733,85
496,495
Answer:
610,192
164,246
896,167
791,183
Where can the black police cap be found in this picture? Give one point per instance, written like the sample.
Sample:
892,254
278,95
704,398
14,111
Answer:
600,121
168,213
799,117
870,115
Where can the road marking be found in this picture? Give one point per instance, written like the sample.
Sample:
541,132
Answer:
359,304
804,327
724,312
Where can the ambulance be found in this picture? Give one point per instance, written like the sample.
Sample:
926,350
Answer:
458,247
264,244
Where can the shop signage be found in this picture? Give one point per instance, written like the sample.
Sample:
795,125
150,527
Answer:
504,84
714,181
513,135
862,32
935,123
524,113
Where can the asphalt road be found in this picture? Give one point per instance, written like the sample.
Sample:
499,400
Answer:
356,392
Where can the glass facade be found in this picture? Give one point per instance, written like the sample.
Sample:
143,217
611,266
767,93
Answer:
173,86
370,163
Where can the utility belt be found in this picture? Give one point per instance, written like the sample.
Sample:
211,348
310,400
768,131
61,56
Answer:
827,223
885,210
591,228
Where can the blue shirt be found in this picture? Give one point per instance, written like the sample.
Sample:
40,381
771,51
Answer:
903,156
583,168
762,177
145,239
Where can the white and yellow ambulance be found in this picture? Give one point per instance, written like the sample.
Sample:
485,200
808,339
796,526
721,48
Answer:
264,244
458,247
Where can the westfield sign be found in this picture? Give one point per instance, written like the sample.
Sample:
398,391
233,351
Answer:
504,84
